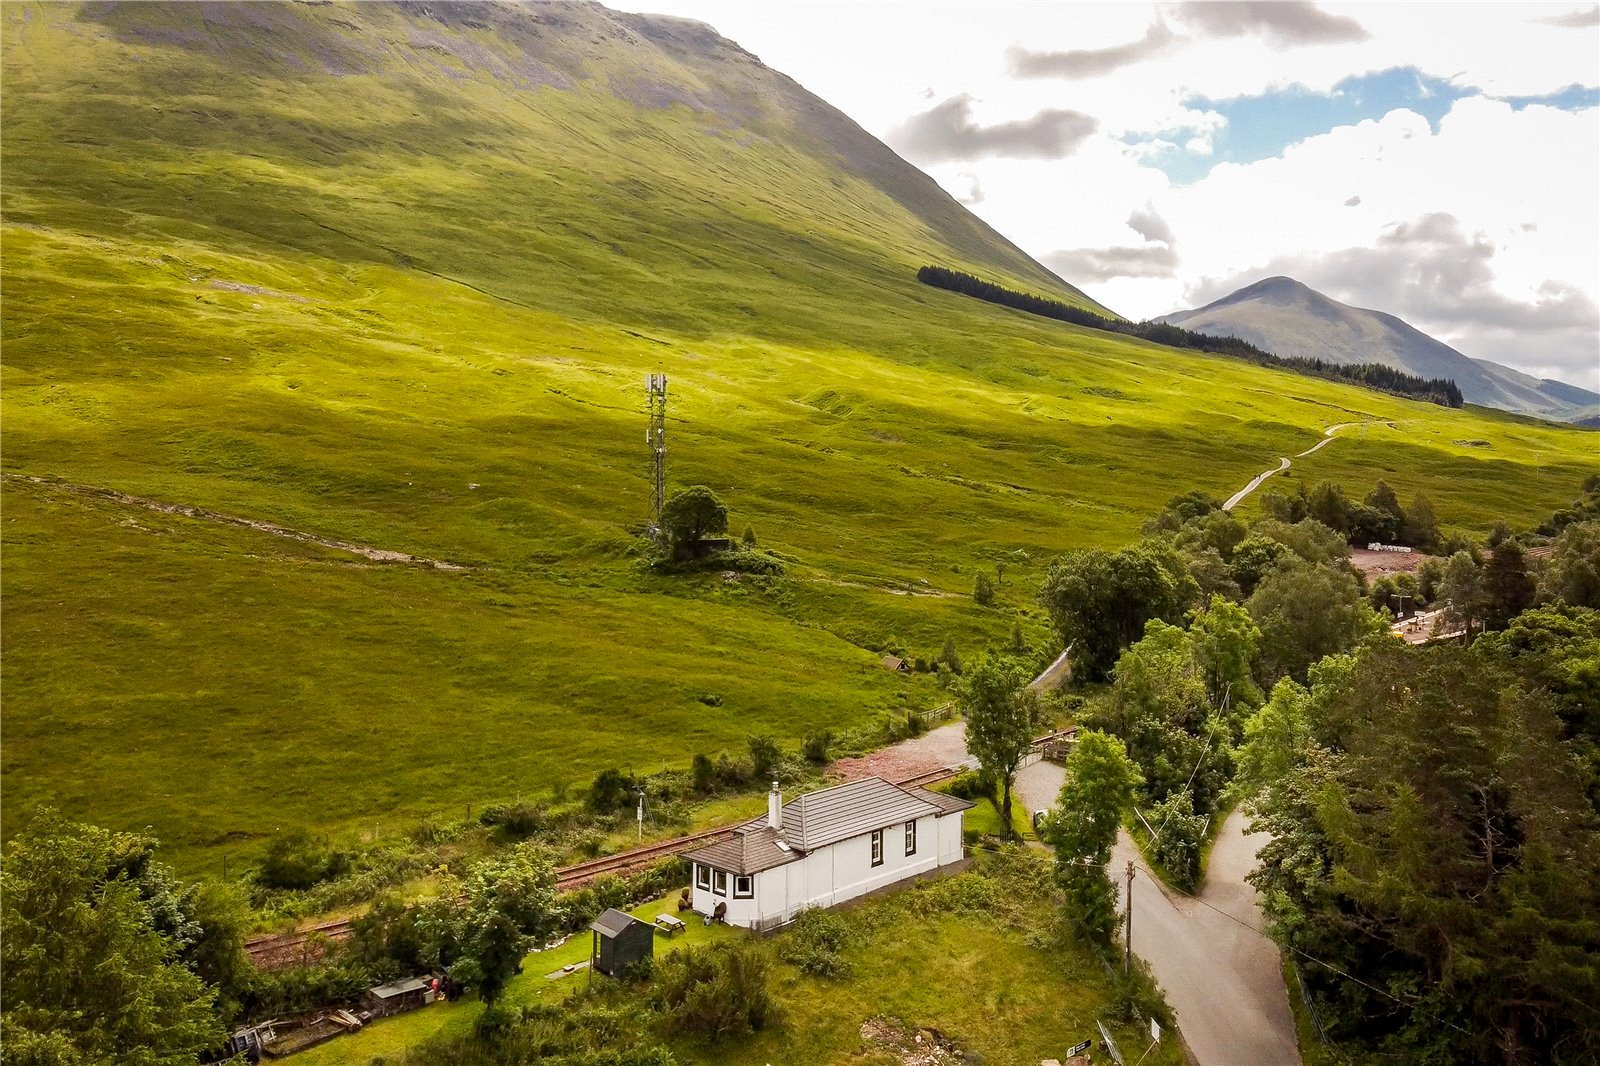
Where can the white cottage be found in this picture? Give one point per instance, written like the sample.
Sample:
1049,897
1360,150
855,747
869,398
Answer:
824,848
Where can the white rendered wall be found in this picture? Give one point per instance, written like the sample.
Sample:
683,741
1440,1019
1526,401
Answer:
839,872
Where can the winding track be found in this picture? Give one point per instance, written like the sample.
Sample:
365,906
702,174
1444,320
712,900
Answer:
1283,462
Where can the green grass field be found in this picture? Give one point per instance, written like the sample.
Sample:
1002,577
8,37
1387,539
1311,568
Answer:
399,285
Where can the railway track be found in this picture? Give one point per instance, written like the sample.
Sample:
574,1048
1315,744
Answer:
286,949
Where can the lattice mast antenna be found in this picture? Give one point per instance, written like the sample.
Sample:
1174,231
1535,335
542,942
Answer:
656,438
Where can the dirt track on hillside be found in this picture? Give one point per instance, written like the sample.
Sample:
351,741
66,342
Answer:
366,551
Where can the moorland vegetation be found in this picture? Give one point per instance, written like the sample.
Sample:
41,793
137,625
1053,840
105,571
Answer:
392,277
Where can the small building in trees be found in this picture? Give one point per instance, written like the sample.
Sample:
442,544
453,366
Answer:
619,941
398,996
896,664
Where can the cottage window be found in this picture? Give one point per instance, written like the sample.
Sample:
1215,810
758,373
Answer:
911,837
877,847
744,887
702,875
719,882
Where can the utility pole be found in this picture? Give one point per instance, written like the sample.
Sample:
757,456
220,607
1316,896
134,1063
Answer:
1399,599
656,438
1127,950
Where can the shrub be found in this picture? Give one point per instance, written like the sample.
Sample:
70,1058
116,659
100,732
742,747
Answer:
764,756
983,591
969,785
732,772
298,860
949,657
816,746
516,820
716,992
611,790
749,537
705,774
813,944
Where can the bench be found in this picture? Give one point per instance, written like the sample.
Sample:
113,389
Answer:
669,924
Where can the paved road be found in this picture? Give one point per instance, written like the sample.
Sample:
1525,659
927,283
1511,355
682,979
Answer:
1222,979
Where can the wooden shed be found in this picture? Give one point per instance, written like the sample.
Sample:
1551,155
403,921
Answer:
897,664
619,941
397,996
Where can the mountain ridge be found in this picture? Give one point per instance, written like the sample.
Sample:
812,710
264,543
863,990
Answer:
1289,318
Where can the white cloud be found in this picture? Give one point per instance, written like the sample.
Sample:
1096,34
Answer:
1524,180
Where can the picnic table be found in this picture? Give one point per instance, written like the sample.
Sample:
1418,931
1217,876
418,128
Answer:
669,924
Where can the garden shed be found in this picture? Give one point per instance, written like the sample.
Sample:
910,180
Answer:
619,941
397,996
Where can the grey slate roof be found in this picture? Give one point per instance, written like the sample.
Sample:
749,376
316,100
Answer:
751,849
946,803
818,819
613,922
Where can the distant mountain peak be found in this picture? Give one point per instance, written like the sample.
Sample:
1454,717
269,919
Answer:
1287,317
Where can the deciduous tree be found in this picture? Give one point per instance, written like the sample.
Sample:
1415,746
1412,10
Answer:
693,514
1100,601
1000,710
1099,789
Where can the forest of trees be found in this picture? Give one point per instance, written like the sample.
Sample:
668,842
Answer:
1377,376
1434,867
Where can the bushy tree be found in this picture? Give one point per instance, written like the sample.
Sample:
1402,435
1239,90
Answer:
1099,789
1327,504
1162,710
1100,601
610,791
1420,528
1430,839
715,993
1504,582
765,755
1225,641
1461,592
1306,612
1382,498
88,977
1180,834
692,515
983,590
1000,710
949,656
1253,559
507,905
1572,574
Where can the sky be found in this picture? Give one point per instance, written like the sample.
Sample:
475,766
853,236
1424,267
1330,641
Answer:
1440,162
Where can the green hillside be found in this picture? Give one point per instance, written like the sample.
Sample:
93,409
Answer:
393,276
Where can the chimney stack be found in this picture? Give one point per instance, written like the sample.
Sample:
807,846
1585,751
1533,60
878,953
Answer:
775,808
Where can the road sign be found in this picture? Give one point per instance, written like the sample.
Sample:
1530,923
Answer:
1078,1049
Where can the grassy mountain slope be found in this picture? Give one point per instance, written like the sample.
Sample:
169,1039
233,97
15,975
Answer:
1288,318
393,276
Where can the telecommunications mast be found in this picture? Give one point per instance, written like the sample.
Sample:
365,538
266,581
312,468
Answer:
656,438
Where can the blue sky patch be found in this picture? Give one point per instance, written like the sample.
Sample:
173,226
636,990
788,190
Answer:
1261,127
1573,98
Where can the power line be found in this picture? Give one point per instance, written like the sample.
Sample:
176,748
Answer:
1303,954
